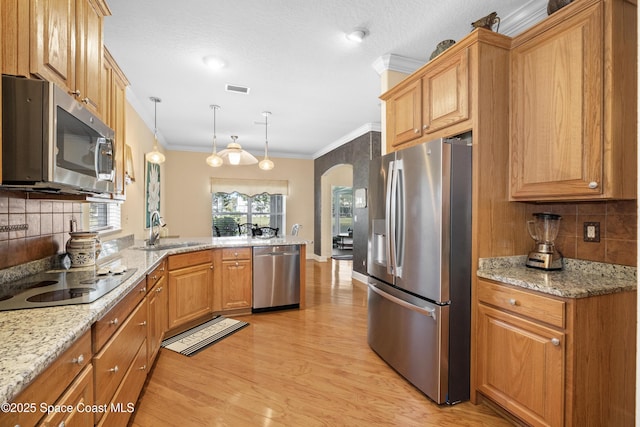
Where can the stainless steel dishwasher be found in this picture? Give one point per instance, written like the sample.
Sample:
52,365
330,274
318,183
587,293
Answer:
276,277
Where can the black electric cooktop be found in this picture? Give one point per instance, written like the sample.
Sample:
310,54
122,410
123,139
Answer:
62,287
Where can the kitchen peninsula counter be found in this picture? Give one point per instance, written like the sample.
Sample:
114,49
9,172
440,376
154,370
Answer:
578,279
33,338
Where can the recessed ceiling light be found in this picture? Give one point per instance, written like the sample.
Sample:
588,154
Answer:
213,62
357,35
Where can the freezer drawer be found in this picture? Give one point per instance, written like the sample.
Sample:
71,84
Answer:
409,338
276,277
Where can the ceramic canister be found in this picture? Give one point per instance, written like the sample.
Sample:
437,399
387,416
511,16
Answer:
83,248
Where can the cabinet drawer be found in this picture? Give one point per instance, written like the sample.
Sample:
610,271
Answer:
539,307
50,384
156,274
236,253
127,394
189,259
111,364
104,328
80,397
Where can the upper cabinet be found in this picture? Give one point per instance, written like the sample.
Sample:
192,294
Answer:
434,98
59,41
573,105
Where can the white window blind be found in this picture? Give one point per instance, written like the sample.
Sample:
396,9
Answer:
250,187
105,216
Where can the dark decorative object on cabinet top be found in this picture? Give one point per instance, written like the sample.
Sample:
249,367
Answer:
441,47
555,5
488,22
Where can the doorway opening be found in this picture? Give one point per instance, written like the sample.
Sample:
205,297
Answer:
342,222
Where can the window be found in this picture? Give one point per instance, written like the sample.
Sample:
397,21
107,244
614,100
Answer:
342,210
231,209
104,216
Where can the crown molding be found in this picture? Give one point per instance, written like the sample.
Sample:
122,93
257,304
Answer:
368,127
511,25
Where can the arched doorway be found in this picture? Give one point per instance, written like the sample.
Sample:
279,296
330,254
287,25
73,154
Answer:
338,177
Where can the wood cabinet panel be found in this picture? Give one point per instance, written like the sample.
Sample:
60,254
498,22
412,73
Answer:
112,362
236,284
190,287
446,93
158,317
50,384
537,307
522,366
405,110
89,53
79,396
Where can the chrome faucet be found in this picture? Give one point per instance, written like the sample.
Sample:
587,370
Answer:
154,237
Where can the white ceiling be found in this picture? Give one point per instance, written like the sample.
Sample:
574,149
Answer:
322,89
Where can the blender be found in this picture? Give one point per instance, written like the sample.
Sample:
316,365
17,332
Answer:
544,230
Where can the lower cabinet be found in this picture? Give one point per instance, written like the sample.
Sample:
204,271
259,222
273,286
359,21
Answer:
67,380
552,361
157,310
236,279
190,287
78,396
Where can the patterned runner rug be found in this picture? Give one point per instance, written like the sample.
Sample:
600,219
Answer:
202,336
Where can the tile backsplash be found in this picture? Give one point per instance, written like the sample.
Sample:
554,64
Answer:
47,227
618,230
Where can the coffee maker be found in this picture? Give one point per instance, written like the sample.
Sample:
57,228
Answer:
544,230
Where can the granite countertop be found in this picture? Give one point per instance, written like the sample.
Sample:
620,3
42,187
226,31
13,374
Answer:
31,339
578,279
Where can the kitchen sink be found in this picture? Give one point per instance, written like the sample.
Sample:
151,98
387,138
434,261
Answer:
166,246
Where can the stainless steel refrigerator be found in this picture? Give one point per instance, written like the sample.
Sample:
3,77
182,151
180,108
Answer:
419,265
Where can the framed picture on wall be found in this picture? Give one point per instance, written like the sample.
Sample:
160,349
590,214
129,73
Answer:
152,192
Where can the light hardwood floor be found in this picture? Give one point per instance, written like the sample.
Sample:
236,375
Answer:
304,368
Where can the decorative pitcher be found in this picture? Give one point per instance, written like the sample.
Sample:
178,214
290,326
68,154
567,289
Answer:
83,248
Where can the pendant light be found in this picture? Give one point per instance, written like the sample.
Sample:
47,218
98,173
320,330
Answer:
266,163
155,156
235,155
214,160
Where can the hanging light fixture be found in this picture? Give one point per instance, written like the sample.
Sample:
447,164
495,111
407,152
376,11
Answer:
266,163
214,160
235,155
155,156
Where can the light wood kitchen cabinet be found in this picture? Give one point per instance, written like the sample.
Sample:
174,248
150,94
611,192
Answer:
190,284
432,99
573,127
113,96
236,279
113,361
59,41
552,361
79,396
49,386
157,308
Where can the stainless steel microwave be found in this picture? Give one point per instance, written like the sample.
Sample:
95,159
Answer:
51,142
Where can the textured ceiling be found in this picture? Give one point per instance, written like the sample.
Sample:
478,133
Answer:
293,56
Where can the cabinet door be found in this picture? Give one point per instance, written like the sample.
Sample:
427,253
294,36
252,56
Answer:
404,114
236,284
445,89
157,307
79,396
89,45
521,366
557,117
53,43
190,294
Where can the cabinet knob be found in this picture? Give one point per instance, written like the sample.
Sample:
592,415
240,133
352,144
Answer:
62,424
75,93
159,289
154,277
143,368
237,264
555,341
143,323
114,369
114,322
593,185
78,360
211,267
144,289
85,101
425,127
416,130
513,301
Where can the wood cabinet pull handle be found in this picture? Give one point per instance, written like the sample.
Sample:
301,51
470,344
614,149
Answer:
593,185
555,341
114,369
78,360
513,301
114,322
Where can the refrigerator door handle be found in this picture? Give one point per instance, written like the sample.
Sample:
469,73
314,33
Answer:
430,312
399,218
390,218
